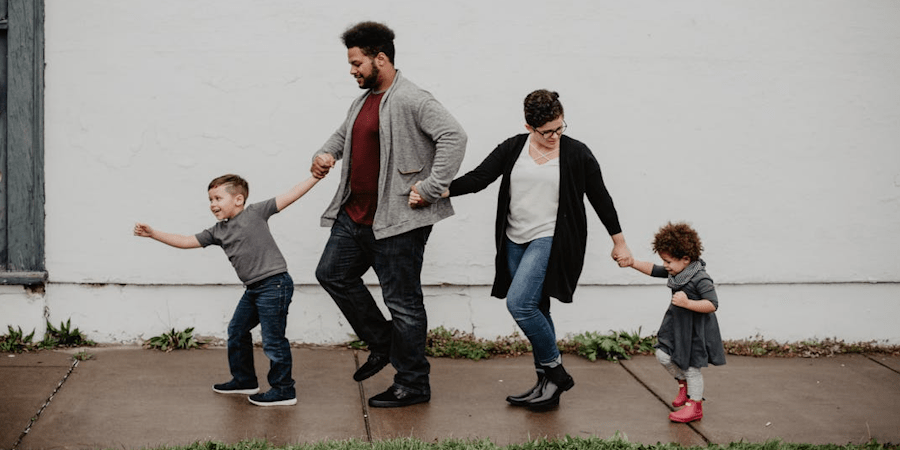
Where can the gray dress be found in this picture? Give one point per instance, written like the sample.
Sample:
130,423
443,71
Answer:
692,339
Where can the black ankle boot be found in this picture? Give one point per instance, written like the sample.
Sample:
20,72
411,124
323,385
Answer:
523,398
557,382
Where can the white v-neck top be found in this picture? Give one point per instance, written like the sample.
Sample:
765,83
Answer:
534,198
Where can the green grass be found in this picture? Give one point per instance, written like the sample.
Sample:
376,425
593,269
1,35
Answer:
567,443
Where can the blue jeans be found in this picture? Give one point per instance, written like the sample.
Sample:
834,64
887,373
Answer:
264,303
397,261
525,299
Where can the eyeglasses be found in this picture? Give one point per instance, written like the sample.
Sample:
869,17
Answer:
546,134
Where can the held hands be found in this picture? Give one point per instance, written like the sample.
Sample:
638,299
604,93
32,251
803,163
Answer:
621,254
416,200
143,230
321,165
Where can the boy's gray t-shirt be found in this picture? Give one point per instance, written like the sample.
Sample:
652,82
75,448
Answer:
248,243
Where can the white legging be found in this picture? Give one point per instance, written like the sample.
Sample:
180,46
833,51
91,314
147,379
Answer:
692,375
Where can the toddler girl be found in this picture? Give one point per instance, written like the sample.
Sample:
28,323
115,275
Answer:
688,337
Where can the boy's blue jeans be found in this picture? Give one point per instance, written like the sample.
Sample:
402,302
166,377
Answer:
264,303
397,261
525,299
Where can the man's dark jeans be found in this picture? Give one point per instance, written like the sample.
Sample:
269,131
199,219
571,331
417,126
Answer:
264,303
397,260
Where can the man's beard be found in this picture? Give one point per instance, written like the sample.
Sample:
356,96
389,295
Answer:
370,81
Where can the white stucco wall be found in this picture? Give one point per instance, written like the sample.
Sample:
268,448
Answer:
773,127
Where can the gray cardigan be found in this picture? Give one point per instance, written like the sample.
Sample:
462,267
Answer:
420,141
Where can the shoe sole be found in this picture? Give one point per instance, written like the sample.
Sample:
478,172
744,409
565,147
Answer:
384,404
290,402
537,407
688,420
684,421
359,376
550,403
518,402
238,391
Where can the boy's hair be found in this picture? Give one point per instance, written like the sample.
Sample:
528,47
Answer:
542,106
234,185
372,38
678,240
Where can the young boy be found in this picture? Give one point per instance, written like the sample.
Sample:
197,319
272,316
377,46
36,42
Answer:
243,233
689,337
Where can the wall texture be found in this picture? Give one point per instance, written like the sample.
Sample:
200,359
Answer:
772,127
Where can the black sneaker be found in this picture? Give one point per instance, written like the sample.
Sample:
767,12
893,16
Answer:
395,397
272,398
373,365
232,387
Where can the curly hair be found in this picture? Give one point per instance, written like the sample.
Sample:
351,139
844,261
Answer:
234,185
678,240
372,38
542,106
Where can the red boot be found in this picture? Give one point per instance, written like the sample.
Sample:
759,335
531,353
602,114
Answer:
681,398
693,410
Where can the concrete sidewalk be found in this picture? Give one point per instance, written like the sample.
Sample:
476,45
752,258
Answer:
131,398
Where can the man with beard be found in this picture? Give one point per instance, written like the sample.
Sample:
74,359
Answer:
396,136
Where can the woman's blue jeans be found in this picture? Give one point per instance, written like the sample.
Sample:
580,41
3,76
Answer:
264,303
525,299
397,261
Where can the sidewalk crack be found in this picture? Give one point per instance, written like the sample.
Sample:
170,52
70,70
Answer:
44,406
876,361
362,399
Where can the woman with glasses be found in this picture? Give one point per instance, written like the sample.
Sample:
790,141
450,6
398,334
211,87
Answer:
541,230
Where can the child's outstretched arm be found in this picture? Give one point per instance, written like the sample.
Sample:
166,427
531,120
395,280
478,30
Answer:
291,196
175,240
644,267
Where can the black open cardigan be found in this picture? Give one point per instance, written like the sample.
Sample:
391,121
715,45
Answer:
579,175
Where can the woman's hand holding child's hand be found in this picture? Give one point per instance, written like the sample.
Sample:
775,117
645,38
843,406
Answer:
621,254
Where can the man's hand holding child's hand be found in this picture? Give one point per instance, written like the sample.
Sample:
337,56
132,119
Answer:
322,164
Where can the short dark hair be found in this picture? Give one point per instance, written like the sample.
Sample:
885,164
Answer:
372,38
678,240
234,185
542,106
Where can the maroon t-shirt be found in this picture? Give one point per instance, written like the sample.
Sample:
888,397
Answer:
364,163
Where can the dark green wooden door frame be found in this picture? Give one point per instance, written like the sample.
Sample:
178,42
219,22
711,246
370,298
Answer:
22,143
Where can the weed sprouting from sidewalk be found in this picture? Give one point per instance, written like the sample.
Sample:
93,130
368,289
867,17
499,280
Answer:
17,341
612,347
173,340
458,344
65,336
